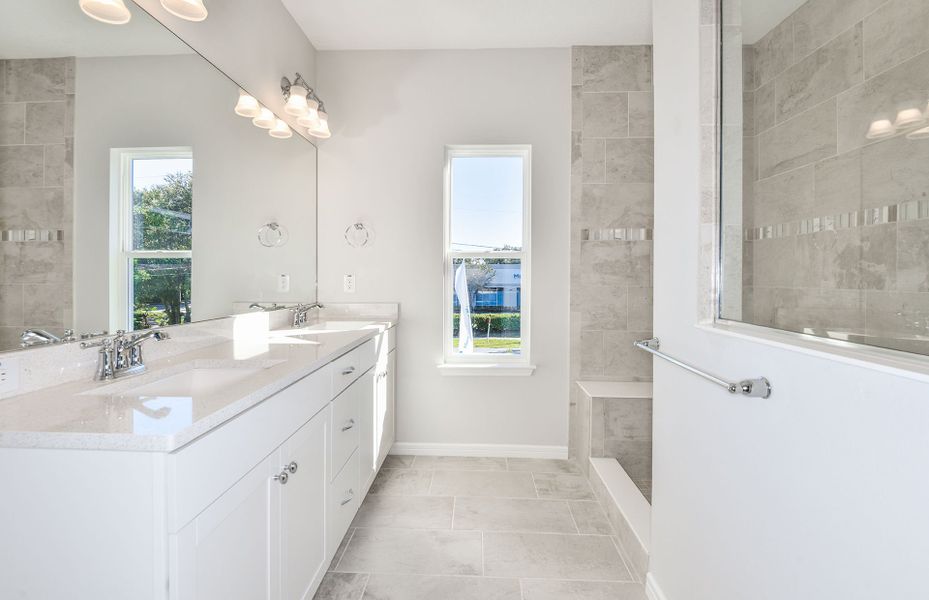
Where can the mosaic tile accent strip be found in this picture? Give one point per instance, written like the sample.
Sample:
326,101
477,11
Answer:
635,234
894,213
32,235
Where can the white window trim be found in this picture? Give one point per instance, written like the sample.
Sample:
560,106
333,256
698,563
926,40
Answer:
483,364
121,253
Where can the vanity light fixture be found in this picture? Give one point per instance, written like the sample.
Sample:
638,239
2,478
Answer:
303,103
280,130
322,130
247,106
919,134
113,12
189,10
880,129
265,119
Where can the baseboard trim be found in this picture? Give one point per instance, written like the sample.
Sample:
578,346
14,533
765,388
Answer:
652,590
505,450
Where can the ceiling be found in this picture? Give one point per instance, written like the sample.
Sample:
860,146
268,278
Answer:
52,28
471,24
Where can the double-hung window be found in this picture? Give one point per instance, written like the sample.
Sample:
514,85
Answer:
152,237
487,256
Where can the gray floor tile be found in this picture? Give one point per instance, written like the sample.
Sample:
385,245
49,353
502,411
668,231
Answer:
537,589
402,482
396,461
563,486
342,586
590,517
500,484
418,587
460,463
508,514
408,512
413,551
341,549
543,465
551,556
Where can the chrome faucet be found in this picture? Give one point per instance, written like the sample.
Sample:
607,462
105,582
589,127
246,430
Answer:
121,355
300,313
39,337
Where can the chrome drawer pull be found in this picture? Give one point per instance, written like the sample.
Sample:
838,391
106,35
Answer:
351,496
349,425
348,371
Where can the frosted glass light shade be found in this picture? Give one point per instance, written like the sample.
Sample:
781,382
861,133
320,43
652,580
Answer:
296,102
919,134
113,12
189,10
322,130
909,117
311,118
280,130
265,119
247,106
880,129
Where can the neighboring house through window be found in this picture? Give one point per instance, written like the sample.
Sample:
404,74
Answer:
487,254
151,237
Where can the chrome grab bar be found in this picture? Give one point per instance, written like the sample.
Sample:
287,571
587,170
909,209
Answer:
753,388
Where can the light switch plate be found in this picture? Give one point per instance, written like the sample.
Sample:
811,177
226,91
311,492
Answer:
9,375
348,284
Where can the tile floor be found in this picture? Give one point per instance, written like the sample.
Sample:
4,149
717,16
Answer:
455,528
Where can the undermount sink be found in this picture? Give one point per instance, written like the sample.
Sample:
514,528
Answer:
194,382
341,326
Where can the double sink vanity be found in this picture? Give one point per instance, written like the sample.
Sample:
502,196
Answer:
229,470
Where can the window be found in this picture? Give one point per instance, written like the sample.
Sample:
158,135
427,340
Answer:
487,250
151,256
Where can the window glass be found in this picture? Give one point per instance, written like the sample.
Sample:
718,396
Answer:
487,203
162,202
487,299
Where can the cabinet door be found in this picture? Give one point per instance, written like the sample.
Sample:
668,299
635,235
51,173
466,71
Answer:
368,445
226,551
387,407
303,509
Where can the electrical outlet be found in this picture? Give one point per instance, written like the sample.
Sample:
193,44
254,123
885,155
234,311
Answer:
283,283
9,375
348,284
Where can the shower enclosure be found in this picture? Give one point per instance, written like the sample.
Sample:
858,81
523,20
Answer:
825,187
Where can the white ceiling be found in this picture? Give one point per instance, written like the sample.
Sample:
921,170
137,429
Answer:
468,24
52,28
761,16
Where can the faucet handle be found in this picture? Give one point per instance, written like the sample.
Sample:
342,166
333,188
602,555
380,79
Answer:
104,343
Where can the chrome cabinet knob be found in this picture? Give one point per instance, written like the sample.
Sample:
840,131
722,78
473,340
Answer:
348,371
292,467
282,477
349,425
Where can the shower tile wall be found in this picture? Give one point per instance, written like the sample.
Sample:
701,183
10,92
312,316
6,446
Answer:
36,194
611,189
813,86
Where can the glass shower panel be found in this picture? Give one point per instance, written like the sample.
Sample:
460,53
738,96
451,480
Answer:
825,169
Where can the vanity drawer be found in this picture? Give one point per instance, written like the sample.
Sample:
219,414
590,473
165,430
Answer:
346,424
344,501
349,367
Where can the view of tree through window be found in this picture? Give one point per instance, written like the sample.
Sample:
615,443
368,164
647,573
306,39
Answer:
160,261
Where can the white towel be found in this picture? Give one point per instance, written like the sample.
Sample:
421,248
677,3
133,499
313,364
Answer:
465,334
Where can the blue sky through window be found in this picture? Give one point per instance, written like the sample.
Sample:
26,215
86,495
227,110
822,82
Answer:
487,203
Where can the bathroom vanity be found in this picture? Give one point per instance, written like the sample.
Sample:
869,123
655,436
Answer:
229,471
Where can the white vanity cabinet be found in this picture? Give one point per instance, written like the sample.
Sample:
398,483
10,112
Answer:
254,509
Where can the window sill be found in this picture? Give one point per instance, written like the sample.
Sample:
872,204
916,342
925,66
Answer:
485,370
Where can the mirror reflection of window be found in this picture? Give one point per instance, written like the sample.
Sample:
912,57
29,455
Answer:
154,256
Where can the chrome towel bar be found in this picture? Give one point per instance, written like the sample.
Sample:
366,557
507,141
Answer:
754,388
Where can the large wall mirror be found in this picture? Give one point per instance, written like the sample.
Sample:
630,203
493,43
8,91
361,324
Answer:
825,154
131,194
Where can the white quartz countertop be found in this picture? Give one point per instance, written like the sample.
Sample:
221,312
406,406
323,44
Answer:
122,415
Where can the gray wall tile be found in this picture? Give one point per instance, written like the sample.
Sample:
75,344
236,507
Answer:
22,166
774,52
897,31
34,80
784,198
45,122
12,123
617,68
630,161
641,114
799,141
605,114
